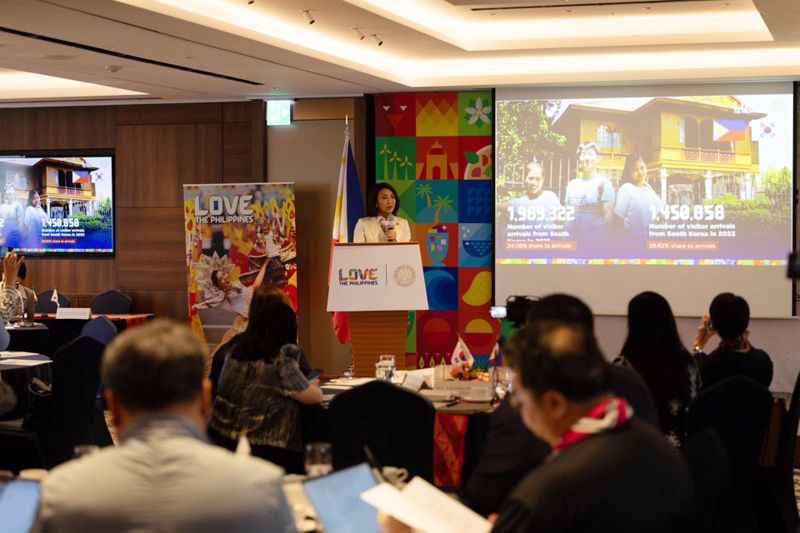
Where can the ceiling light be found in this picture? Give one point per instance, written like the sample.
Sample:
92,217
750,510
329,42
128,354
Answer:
377,40
359,33
307,15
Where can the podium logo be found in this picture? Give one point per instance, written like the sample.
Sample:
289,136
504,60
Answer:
358,276
404,275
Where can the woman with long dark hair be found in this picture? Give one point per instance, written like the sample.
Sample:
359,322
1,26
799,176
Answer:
654,349
261,386
637,204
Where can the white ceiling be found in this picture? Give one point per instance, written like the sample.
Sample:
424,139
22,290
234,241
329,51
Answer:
190,50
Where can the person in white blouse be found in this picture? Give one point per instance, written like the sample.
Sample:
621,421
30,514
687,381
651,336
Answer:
383,225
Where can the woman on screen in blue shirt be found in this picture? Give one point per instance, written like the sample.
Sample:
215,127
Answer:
35,218
637,203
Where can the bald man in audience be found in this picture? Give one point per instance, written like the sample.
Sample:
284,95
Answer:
607,471
164,475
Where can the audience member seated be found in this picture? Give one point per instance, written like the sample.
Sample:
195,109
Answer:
261,386
164,476
735,355
9,295
511,451
28,296
607,471
654,349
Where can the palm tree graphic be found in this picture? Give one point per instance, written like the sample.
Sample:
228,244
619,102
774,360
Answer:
394,159
425,190
384,152
441,202
406,162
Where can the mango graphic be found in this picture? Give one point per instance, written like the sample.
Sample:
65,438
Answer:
480,290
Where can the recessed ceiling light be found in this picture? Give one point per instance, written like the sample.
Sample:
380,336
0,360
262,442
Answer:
568,11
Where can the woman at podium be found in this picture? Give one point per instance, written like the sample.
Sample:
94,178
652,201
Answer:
382,225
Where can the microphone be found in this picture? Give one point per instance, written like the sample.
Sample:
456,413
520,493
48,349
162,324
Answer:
388,223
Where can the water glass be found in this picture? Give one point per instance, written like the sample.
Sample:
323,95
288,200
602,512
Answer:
385,367
318,459
502,380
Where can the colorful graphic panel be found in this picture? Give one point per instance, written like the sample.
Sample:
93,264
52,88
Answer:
443,170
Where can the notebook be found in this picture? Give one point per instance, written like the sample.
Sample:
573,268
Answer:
337,500
19,500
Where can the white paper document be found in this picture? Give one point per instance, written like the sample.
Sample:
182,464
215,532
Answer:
23,362
425,508
5,355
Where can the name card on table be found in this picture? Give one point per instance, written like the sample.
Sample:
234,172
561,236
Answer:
74,313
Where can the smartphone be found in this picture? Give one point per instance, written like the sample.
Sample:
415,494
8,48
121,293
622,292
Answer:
314,375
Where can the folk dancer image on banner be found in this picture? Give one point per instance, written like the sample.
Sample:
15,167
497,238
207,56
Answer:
592,195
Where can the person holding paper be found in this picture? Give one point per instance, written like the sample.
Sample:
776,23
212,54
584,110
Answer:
602,459
382,225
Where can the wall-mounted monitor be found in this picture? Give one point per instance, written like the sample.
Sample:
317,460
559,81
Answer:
683,190
57,203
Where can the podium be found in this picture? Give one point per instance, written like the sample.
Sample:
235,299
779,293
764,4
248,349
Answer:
377,284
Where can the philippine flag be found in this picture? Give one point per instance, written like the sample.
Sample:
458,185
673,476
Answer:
348,209
80,176
729,130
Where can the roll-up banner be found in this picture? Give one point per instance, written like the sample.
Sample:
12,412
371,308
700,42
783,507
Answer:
238,237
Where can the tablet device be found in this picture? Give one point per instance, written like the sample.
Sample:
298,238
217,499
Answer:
314,374
337,500
19,500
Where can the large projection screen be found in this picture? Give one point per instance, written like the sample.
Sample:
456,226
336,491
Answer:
684,190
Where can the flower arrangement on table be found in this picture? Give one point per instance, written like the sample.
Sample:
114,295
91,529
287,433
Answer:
463,365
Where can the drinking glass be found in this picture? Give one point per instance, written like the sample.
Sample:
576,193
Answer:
385,367
502,381
318,459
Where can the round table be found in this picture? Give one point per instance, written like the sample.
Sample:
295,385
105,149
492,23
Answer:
19,375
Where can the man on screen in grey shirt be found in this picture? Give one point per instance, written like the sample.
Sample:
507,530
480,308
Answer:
164,476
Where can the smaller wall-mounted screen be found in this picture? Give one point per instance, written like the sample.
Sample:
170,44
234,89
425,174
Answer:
57,204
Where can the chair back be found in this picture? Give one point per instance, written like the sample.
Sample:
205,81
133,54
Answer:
100,329
44,305
396,424
712,476
782,476
738,408
20,450
111,302
74,419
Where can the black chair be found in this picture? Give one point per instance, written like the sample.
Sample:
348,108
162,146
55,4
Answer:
44,305
738,409
712,476
780,478
111,302
20,450
396,424
100,329
75,418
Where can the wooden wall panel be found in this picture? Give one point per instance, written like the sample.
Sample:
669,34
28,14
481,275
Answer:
56,128
151,253
71,275
169,304
324,108
244,142
153,161
169,114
